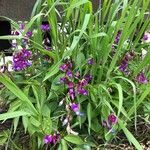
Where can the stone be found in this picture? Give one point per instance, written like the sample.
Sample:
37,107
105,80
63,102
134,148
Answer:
16,9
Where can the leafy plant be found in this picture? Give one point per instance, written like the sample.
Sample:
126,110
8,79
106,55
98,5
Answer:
85,83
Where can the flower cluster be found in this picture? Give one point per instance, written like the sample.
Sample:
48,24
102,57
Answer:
140,78
21,60
74,88
52,139
25,40
110,121
75,85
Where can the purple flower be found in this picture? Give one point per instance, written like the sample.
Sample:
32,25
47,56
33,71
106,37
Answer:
63,80
69,64
117,37
71,90
141,78
63,67
69,73
90,61
45,27
80,87
21,60
26,54
70,84
146,37
88,77
74,107
29,34
112,119
52,139
22,26
56,138
16,33
82,91
48,139
72,93
123,66
83,82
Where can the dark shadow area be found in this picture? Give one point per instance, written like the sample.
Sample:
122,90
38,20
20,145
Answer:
5,29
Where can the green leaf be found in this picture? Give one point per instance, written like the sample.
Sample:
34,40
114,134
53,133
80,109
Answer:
76,39
140,100
32,21
89,114
64,145
16,91
130,137
120,92
4,137
74,139
52,71
25,121
10,37
15,114
15,122
35,122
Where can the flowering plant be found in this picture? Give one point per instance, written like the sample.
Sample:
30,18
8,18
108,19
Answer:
78,82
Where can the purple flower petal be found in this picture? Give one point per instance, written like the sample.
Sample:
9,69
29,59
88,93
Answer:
48,139
22,26
45,27
141,78
123,66
82,91
112,119
63,67
88,77
90,61
74,107
21,60
29,34
71,93
69,73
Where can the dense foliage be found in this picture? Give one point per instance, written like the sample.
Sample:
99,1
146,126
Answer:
81,87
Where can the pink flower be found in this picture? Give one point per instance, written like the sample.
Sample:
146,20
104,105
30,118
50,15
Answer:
48,139
112,119
141,78
52,139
